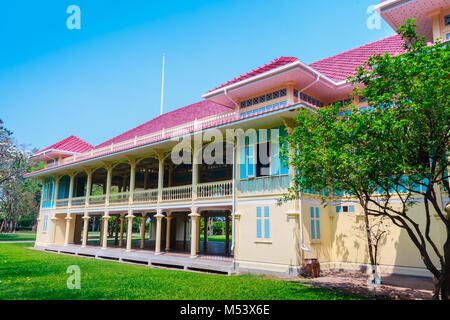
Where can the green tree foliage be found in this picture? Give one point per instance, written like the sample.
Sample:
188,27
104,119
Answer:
19,197
396,151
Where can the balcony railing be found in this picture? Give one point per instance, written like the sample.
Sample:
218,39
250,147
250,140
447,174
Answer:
163,134
177,193
97,200
61,203
78,201
122,197
215,189
145,196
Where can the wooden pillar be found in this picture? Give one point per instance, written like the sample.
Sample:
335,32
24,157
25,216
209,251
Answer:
121,231
227,233
168,219
144,218
205,231
116,237
132,162
88,186
108,182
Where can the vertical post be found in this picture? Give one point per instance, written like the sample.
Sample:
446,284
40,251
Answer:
105,218
160,175
42,191
72,180
227,233
195,217
158,217
144,218
88,187
205,231
196,160
116,236
108,183
66,235
129,229
168,219
85,229
57,179
132,162
121,231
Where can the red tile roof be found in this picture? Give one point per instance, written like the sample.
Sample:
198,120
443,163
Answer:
174,118
278,62
343,65
72,144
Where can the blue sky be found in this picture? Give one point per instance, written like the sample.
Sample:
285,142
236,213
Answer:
105,78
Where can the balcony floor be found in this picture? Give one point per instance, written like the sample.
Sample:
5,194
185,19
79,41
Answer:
177,260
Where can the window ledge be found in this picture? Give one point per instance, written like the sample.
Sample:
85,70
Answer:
268,241
316,241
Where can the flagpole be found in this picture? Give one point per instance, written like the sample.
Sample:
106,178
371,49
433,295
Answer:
162,86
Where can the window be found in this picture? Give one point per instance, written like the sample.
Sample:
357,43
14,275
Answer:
315,223
447,20
260,153
263,223
447,37
44,226
345,209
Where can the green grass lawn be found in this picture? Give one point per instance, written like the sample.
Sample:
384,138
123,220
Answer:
215,238
29,274
17,237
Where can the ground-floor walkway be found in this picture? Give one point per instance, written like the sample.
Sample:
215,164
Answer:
178,260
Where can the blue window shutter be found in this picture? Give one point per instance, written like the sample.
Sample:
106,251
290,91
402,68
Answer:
274,151
317,224
338,209
351,208
284,166
266,223
243,158
258,223
313,231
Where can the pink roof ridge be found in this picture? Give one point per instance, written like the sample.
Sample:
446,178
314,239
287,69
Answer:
71,144
343,65
170,119
278,62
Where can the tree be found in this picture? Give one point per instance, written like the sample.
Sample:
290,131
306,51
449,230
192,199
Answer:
19,197
396,149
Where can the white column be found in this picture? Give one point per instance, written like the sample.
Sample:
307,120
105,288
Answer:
129,229
195,219
132,162
105,222
66,235
108,183
158,217
85,229
88,186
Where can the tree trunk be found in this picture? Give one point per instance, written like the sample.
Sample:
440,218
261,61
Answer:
369,238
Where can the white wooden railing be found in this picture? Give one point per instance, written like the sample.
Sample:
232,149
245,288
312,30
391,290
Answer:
122,197
150,195
78,201
60,203
215,189
95,200
177,193
163,134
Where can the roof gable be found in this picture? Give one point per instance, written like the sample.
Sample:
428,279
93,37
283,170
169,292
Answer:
343,65
71,144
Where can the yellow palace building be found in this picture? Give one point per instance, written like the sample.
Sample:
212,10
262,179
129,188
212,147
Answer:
138,175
